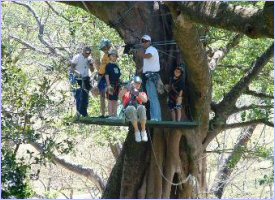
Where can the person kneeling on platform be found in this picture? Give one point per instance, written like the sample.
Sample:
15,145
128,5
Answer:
134,110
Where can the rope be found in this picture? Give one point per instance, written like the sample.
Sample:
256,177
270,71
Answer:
190,177
85,5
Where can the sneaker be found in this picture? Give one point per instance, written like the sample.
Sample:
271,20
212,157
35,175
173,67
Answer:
144,136
137,136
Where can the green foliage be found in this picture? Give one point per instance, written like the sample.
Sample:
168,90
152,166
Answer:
235,158
237,63
13,176
263,152
266,180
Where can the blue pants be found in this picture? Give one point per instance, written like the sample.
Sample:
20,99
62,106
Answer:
82,98
155,111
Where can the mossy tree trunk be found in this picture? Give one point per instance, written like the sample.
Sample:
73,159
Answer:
149,170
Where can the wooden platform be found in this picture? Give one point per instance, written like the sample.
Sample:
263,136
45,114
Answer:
121,122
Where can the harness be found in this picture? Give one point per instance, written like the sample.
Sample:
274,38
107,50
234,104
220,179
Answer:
174,97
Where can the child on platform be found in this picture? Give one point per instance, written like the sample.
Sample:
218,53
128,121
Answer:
112,76
176,94
105,46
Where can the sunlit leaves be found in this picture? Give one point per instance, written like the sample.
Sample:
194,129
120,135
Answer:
13,176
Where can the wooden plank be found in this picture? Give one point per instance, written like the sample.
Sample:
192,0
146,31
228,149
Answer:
149,123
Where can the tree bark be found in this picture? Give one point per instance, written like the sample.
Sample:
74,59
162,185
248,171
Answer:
254,23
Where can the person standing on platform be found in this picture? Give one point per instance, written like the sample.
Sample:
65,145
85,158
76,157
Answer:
80,66
176,95
105,46
150,70
112,76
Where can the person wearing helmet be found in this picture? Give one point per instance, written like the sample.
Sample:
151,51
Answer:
151,77
133,100
176,93
105,46
80,66
112,75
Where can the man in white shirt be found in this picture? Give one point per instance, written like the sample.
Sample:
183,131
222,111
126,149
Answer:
150,70
80,66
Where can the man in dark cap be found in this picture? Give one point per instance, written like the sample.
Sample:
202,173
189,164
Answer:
80,66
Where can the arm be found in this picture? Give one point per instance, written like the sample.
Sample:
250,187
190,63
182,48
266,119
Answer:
122,92
91,64
143,97
179,98
143,55
91,67
73,66
107,76
73,69
107,80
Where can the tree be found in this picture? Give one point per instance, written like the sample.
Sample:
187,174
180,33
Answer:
35,61
151,170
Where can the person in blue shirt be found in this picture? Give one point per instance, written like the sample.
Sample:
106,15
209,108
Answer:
112,76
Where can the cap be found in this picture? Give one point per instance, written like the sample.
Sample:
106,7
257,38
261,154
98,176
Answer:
146,37
113,52
105,43
137,79
87,49
180,67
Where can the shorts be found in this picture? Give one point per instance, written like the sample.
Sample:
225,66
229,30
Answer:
173,105
102,84
114,96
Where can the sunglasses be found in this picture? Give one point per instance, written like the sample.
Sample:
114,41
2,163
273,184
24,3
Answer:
144,41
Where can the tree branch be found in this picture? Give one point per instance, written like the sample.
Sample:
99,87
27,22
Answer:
41,29
28,45
221,53
227,104
57,13
248,123
222,177
252,106
194,54
31,11
254,23
258,94
226,107
78,169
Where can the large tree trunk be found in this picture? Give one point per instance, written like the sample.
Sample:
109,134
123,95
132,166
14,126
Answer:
169,164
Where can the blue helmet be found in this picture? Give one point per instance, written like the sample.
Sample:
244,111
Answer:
137,79
105,43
